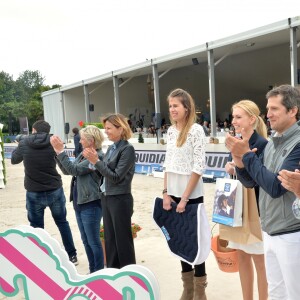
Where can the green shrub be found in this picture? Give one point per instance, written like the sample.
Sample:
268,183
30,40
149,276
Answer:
141,139
2,153
7,140
99,125
84,124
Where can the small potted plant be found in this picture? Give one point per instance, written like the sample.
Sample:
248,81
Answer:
135,228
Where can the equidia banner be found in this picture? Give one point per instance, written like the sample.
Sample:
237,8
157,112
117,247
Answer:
146,161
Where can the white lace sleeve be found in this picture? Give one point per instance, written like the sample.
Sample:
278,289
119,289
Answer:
198,142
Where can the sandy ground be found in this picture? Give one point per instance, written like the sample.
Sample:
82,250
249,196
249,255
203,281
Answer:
150,245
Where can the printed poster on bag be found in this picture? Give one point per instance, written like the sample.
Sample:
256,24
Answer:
228,202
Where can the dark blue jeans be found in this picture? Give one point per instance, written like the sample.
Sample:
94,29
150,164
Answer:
88,221
36,202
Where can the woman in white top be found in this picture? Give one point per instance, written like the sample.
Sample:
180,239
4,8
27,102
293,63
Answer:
184,166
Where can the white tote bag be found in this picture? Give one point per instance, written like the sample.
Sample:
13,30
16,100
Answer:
228,202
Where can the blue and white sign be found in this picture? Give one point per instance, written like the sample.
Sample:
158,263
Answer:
147,161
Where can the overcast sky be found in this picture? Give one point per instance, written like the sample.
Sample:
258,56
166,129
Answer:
71,40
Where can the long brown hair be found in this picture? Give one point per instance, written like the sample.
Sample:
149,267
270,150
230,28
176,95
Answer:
188,103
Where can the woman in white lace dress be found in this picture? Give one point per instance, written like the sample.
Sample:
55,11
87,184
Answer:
183,184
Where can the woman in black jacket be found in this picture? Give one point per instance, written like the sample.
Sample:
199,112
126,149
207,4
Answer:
117,168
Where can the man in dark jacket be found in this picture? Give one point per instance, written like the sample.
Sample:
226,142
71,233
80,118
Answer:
78,146
43,183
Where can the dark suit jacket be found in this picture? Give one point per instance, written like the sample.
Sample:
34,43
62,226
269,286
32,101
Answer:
78,146
119,169
259,142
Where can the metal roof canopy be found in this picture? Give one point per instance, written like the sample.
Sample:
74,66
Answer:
262,37
210,53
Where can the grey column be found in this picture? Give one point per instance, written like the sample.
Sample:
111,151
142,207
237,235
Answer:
293,55
212,91
87,103
116,94
156,99
63,105
62,100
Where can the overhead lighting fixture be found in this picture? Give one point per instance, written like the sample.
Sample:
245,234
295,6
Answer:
250,44
195,61
149,79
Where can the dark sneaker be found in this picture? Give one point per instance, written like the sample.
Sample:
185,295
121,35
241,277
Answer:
74,260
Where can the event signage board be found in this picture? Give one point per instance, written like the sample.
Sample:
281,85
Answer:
34,264
147,161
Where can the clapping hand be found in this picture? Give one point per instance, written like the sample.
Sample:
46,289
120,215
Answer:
238,147
91,155
57,144
290,181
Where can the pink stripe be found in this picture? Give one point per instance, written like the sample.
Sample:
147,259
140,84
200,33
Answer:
30,270
89,294
6,286
140,282
38,245
104,290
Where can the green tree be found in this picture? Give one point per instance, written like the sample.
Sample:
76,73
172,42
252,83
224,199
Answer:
7,96
28,83
28,92
2,154
21,98
7,86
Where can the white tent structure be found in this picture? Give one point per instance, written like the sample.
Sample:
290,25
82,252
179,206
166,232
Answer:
217,74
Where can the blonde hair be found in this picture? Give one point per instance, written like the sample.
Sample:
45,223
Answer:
252,110
118,120
93,133
188,103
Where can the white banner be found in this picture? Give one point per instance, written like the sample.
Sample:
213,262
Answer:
147,161
214,160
